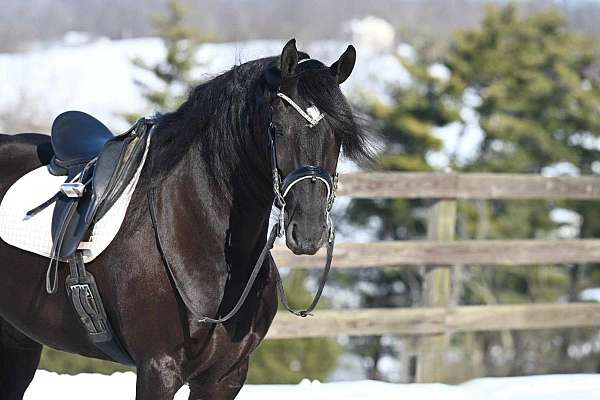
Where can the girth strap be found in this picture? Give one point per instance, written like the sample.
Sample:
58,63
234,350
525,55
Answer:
85,297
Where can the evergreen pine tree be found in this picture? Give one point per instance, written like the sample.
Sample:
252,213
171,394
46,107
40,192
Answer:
538,108
538,95
174,73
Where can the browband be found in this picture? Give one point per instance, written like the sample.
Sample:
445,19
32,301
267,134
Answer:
312,113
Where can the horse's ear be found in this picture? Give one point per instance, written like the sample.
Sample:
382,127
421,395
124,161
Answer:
343,67
289,59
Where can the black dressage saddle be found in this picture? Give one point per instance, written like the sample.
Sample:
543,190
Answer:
98,167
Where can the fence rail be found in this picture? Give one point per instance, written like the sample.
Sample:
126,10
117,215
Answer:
467,252
440,253
467,186
435,320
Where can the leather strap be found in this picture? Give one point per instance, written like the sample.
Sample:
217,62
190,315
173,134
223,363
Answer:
312,113
249,284
308,311
52,269
307,172
257,267
85,297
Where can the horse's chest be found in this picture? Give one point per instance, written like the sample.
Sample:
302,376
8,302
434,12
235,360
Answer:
231,344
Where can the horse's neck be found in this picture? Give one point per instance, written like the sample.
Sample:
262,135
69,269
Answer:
239,222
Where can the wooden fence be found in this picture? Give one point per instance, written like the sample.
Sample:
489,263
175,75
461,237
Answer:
435,322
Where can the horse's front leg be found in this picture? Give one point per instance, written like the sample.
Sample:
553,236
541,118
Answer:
225,388
19,358
158,378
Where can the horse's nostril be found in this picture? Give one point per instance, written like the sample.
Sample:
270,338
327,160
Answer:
294,234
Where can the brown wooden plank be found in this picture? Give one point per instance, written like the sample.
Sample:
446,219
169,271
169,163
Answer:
522,317
404,321
492,252
467,186
393,184
431,361
425,321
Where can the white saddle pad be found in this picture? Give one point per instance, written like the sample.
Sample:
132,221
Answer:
34,234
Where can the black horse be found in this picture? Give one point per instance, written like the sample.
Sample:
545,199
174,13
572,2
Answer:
209,165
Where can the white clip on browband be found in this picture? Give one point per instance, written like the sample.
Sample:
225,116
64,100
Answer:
312,113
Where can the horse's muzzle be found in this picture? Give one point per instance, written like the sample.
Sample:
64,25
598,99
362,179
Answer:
304,238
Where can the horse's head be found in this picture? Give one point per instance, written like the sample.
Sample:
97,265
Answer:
310,121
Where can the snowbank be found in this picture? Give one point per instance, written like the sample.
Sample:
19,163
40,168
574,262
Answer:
99,76
121,386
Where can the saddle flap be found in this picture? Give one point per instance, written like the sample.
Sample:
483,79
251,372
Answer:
116,166
73,217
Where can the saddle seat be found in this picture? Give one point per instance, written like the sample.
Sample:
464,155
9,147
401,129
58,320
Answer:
99,164
77,138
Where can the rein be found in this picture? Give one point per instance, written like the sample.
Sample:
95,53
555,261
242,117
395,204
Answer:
281,189
255,271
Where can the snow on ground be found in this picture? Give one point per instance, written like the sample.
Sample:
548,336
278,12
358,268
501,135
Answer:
590,294
121,386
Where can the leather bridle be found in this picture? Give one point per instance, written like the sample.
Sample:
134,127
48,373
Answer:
313,172
281,187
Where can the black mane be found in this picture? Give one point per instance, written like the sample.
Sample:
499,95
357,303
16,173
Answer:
220,118
317,84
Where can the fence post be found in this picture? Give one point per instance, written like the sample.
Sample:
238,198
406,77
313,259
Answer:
431,364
